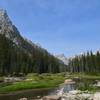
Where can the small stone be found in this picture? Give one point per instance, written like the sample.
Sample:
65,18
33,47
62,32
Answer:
23,99
96,96
52,97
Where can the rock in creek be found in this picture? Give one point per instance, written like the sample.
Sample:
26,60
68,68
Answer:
53,97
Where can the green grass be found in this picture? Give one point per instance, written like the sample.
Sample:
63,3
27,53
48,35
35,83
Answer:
85,76
40,81
1,78
36,82
92,89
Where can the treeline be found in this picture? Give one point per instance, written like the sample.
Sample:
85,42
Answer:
14,60
89,63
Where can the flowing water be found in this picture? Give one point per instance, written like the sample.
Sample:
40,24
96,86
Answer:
37,93
31,94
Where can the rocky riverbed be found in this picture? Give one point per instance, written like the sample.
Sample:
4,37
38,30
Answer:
72,95
80,95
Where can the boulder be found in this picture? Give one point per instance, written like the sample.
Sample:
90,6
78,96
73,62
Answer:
74,92
96,96
69,81
23,99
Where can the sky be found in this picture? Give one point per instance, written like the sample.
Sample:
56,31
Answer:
60,26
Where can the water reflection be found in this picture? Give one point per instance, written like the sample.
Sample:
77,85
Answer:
68,87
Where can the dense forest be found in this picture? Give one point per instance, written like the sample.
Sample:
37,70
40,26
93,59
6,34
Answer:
14,60
20,56
89,63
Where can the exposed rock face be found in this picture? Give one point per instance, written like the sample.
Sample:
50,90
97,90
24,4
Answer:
8,29
62,58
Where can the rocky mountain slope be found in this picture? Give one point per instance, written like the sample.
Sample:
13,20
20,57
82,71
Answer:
62,58
22,55
11,32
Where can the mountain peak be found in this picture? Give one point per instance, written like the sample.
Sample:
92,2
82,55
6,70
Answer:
2,12
7,28
4,19
63,58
